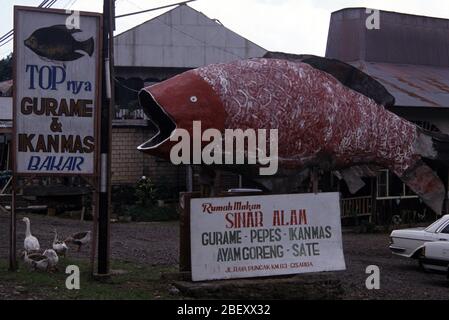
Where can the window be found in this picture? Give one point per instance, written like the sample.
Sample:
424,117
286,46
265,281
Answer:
390,186
446,229
382,183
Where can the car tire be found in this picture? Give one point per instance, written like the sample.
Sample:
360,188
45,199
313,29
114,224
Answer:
421,265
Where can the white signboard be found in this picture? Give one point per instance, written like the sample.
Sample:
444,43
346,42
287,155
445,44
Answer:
56,91
256,236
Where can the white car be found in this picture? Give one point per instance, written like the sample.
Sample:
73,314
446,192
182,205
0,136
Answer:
435,256
410,242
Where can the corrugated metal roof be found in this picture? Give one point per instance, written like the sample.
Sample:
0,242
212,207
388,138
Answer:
411,85
402,38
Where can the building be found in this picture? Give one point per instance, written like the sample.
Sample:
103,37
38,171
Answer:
176,41
409,55
5,125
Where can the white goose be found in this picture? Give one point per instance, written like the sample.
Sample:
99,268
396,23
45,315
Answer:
36,261
31,244
52,258
79,239
59,246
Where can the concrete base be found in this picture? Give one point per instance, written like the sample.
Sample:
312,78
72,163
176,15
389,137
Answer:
298,287
104,278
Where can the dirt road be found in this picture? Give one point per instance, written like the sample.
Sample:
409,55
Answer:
157,244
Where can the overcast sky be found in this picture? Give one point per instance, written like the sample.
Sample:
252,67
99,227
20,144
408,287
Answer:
297,26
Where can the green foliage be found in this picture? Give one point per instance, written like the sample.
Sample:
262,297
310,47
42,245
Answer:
152,213
6,68
123,196
146,192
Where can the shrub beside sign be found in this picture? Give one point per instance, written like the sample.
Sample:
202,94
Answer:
255,236
56,91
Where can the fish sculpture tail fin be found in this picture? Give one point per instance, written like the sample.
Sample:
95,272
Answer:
420,178
423,181
88,46
438,143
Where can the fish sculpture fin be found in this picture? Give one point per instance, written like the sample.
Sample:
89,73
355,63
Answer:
423,181
346,74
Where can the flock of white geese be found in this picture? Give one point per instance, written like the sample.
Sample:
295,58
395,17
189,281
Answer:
49,258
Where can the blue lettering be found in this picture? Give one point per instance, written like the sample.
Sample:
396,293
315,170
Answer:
55,166
41,78
68,164
78,162
34,163
87,86
31,68
55,80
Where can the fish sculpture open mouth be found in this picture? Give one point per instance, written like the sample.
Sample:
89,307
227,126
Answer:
159,118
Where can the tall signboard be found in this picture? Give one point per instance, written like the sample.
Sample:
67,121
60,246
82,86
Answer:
56,91
256,236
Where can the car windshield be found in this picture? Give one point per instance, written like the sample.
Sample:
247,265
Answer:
434,226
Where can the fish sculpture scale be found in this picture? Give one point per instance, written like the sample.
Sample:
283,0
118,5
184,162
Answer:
318,119
313,112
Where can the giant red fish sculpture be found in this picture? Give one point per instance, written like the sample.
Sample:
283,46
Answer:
320,121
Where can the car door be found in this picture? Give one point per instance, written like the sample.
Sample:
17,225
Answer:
443,233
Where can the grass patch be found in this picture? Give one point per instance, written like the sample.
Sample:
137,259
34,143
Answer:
135,282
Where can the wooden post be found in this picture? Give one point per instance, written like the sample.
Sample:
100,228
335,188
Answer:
185,264
374,201
315,180
12,229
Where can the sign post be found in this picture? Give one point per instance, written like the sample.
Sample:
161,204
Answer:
56,95
269,235
105,146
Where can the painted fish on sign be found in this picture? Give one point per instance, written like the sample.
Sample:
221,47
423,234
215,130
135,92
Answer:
57,43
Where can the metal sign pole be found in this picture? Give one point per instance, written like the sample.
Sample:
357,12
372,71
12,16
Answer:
105,146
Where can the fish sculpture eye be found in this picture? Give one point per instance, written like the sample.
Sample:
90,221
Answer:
194,99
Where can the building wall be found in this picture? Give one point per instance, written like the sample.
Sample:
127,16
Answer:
129,164
181,38
402,38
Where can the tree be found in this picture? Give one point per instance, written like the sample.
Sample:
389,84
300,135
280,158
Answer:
6,68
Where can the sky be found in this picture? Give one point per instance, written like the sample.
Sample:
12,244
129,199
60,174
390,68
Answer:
295,26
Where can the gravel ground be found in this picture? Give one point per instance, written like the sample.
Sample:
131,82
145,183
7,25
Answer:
146,243
157,244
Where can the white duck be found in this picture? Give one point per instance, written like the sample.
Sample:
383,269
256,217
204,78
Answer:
31,244
59,246
80,239
36,261
52,258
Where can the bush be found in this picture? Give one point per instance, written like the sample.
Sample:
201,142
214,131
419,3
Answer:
122,196
146,192
152,213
